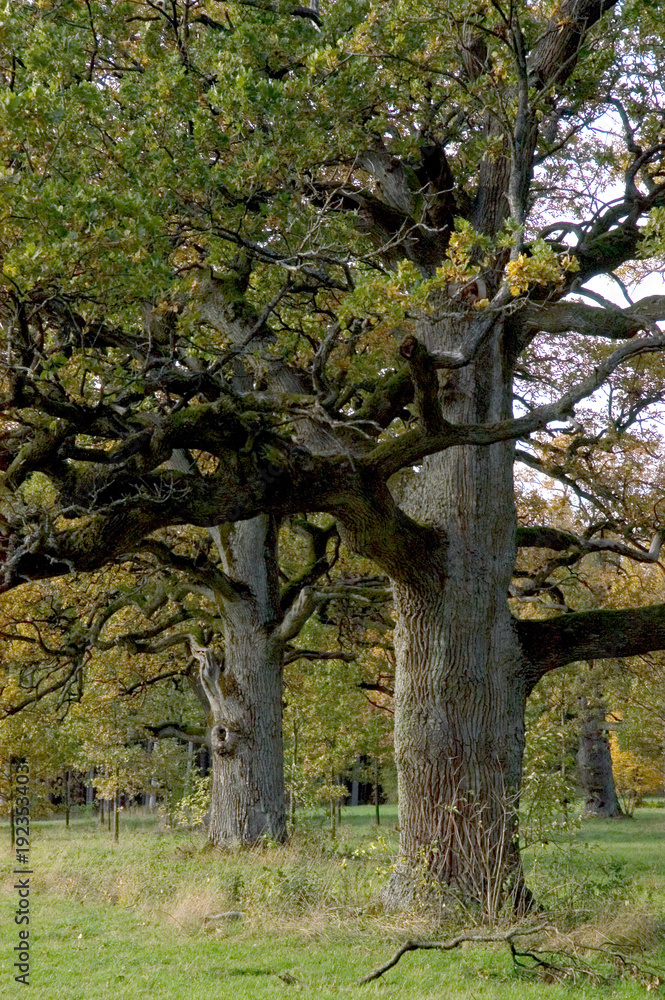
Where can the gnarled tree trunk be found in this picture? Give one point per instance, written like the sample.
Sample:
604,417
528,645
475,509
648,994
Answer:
244,693
462,675
246,740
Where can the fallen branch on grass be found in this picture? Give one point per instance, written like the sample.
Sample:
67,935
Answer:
553,964
564,963
507,937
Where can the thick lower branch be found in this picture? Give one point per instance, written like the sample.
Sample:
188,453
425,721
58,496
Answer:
592,321
291,655
394,454
591,635
172,730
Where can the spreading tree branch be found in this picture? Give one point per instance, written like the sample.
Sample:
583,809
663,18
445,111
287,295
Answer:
174,730
610,321
590,635
554,538
291,655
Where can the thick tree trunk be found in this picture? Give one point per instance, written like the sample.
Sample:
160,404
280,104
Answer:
245,695
594,763
459,737
248,782
460,682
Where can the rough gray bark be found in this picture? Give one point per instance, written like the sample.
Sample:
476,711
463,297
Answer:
590,635
460,688
594,763
462,674
243,692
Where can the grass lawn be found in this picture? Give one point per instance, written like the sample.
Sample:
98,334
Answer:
127,920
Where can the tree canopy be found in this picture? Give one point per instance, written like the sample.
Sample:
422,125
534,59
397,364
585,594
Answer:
182,190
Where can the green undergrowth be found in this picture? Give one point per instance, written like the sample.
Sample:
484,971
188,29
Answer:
129,919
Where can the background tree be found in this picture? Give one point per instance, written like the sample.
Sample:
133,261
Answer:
173,600
85,715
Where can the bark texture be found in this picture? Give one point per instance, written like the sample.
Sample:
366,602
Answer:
460,683
244,693
462,673
594,763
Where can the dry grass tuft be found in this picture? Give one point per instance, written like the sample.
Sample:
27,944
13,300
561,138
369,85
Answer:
632,930
190,910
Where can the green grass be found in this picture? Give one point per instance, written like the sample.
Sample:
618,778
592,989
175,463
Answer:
639,841
127,920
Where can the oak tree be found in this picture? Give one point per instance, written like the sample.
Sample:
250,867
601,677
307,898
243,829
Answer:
260,259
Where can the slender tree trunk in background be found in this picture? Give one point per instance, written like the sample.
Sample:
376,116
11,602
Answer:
594,763
12,817
333,813
116,817
204,761
149,799
190,764
376,793
109,804
67,796
90,788
564,771
294,762
152,798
